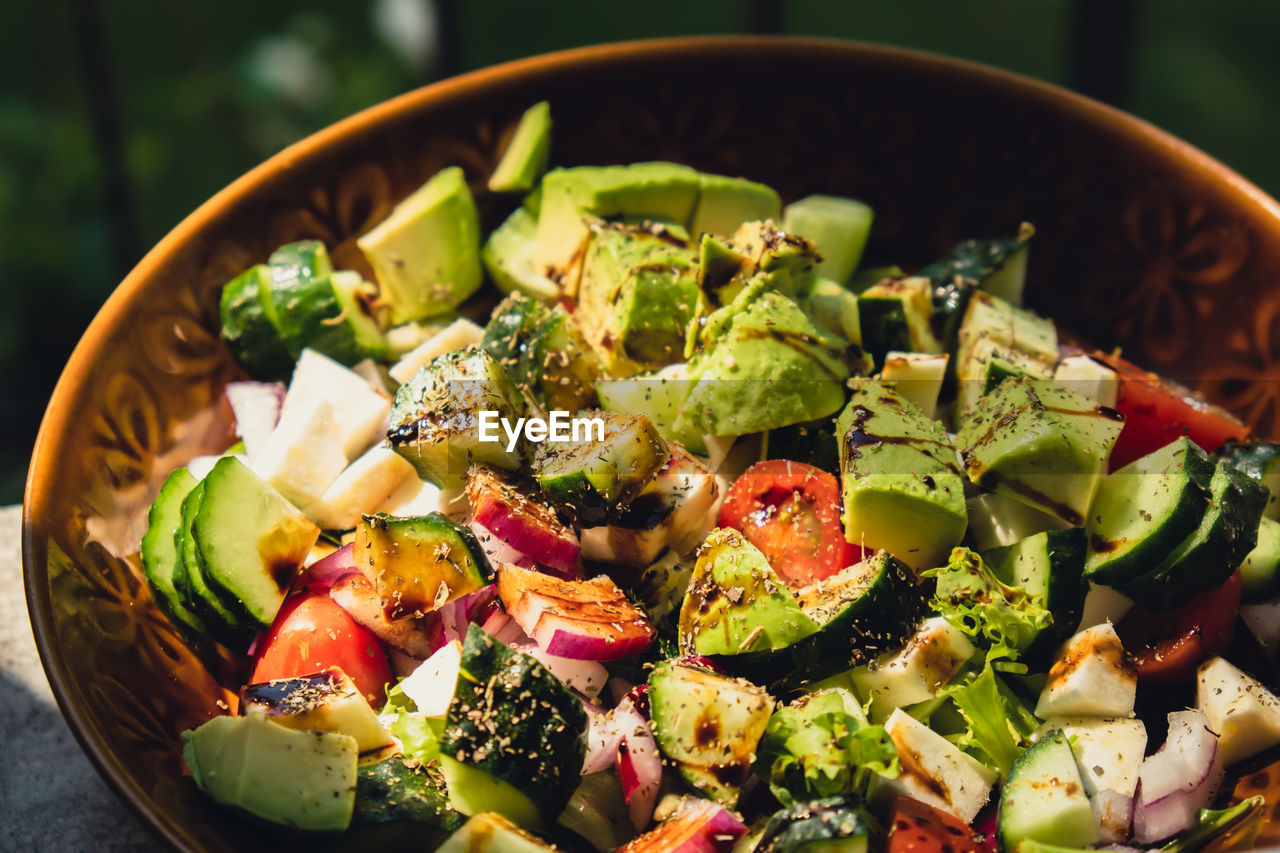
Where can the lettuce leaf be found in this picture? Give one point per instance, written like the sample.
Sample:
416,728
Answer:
418,734
1001,618
822,746
995,719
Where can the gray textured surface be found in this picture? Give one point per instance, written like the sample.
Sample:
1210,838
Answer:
51,798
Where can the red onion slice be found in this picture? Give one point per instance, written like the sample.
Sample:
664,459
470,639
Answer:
256,406
520,519
327,572
639,764
603,737
700,826
1178,780
593,641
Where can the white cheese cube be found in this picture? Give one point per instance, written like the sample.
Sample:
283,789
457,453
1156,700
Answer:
934,770
915,672
303,454
1090,678
362,487
1103,604
1245,715
918,377
1090,379
457,335
360,411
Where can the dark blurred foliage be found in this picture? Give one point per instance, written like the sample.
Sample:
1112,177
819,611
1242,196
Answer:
117,119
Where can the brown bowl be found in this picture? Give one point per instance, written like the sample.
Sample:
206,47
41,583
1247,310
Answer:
1143,242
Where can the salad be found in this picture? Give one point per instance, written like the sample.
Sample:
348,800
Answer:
708,537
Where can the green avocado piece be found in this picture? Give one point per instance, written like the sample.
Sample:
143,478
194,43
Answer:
637,295
767,366
736,603
572,198
302,780
426,254
724,203
248,331
835,307
1039,443
837,226
527,154
658,396
508,257
901,484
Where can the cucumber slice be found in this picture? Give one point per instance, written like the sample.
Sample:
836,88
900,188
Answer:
543,350
594,479
1257,459
1044,799
1142,512
419,564
1260,569
160,556
831,825
1228,531
354,296
191,585
299,300
249,333
1051,565
248,541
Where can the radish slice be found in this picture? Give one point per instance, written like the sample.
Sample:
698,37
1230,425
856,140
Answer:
519,519
256,406
700,826
584,620
639,765
417,638
1178,780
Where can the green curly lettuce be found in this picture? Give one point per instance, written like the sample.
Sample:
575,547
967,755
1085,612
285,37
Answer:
1001,618
418,734
822,746
997,724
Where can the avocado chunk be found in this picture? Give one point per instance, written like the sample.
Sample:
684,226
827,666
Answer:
508,257
572,198
901,484
996,339
658,396
767,366
436,416
837,226
708,725
249,333
835,308
302,780
544,351
637,295
426,254
1037,442
160,553
527,154
736,603
896,314
419,563
724,203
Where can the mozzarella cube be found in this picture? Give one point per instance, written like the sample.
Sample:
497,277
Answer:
360,411
934,770
362,487
918,377
303,454
1245,714
930,659
457,335
1091,379
1090,678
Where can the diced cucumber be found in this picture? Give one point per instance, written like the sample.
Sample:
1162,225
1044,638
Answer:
299,300
1227,533
160,555
399,789
1050,565
1044,799
830,825
435,420
593,478
542,349
1142,512
812,443
419,564
708,725
837,226
1260,568
514,722
355,297
189,581
249,541
249,333
997,266
658,396
1257,459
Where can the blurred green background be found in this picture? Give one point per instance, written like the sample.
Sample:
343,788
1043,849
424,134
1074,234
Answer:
118,119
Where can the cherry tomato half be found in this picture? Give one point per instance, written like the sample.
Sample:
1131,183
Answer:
791,512
1157,411
1167,647
916,827
312,633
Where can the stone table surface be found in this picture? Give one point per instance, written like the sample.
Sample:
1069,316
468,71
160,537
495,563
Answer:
51,797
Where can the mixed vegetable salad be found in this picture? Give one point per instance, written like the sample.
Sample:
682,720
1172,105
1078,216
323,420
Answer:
843,559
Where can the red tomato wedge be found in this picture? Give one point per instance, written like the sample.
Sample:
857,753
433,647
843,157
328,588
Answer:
1157,411
791,512
1167,647
312,633
916,827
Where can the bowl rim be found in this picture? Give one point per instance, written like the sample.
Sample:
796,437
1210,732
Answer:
37,494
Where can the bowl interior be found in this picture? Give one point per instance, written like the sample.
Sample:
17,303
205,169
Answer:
1142,242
